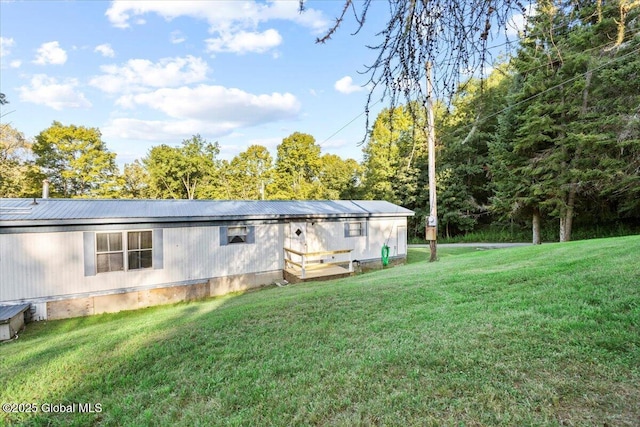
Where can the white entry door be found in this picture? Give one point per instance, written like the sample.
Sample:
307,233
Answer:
402,240
297,236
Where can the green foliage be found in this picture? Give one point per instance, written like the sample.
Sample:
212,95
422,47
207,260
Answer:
382,153
135,181
19,177
340,178
76,161
247,175
185,172
464,187
570,130
297,169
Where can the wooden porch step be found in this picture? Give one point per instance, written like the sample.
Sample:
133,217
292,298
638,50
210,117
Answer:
318,273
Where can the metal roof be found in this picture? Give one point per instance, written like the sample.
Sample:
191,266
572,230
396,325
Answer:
7,312
33,212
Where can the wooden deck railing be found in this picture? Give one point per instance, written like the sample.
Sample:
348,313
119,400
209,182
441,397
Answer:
314,260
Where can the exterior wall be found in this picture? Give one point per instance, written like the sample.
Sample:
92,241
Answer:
52,265
331,236
50,269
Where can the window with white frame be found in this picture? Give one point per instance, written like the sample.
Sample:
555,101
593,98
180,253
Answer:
111,249
355,229
237,234
109,252
139,250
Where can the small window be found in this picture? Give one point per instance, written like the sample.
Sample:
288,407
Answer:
354,229
109,252
237,234
139,250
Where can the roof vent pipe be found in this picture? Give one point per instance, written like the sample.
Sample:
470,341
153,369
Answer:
45,189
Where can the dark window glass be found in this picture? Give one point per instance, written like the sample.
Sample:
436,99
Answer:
237,234
140,254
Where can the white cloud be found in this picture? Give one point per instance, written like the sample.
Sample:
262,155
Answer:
345,85
217,104
44,90
15,63
176,37
209,110
244,41
5,45
139,74
163,130
50,53
235,22
106,50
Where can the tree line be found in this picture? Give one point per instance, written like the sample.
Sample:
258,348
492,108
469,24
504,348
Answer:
551,136
77,163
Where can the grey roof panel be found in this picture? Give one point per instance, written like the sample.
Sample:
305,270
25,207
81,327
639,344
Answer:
7,312
24,212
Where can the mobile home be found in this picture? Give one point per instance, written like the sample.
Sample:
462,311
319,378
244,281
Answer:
75,257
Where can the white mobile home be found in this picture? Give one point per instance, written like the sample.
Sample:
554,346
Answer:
74,257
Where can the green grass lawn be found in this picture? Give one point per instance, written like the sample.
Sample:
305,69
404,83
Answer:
530,336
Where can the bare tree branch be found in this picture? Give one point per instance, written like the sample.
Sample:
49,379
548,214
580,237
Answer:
453,35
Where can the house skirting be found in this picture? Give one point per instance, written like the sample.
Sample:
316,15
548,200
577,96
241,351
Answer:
67,306
363,266
132,299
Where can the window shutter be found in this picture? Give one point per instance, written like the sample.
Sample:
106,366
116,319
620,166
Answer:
346,229
158,249
251,234
223,236
89,247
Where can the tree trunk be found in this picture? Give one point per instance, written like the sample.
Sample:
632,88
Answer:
566,217
536,226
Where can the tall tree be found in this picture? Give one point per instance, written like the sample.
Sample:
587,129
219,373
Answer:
381,160
562,132
464,186
19,177
135,180
297,167
185,172
249,174
340,178
76,161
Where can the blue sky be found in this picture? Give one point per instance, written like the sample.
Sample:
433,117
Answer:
152,72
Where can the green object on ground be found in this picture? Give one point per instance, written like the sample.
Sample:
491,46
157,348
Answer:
385,255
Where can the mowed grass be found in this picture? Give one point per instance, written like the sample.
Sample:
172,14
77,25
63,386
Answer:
530,336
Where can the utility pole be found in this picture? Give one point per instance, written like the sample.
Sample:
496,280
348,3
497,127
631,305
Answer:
432,221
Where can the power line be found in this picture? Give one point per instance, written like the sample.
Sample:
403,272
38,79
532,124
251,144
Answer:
602,46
